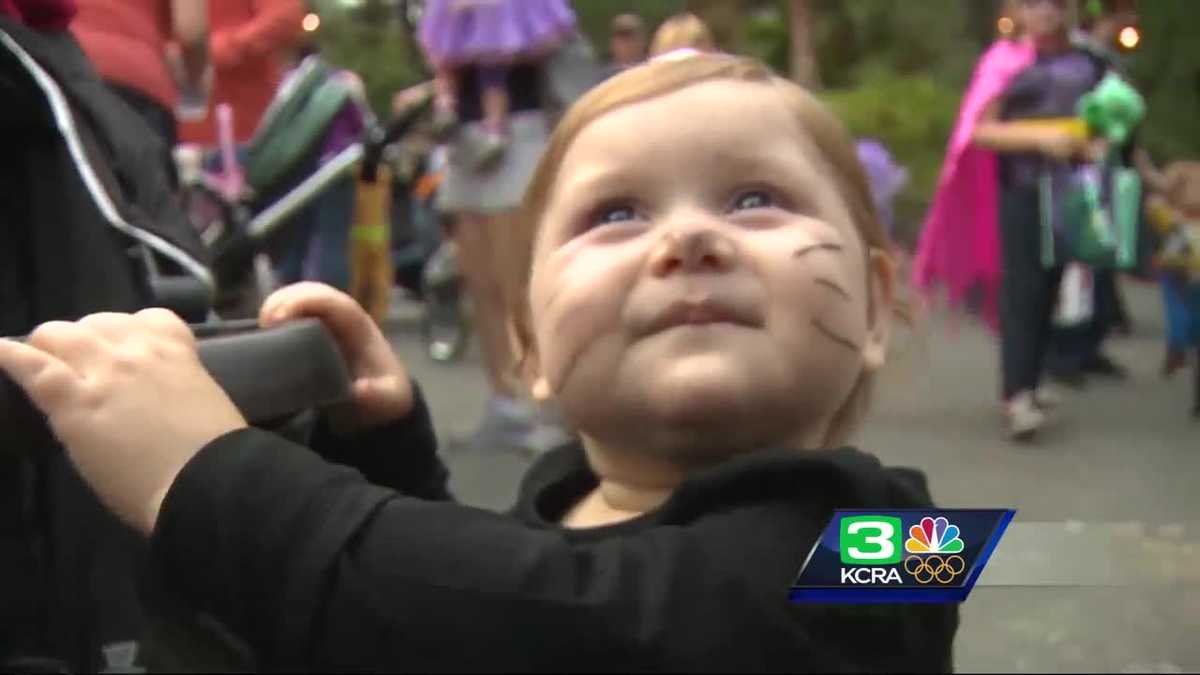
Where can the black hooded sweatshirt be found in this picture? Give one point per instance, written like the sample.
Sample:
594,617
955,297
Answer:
319,566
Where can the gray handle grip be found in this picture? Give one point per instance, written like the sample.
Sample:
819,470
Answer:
269,374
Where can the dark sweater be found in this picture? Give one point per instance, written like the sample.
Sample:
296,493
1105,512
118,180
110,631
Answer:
318,569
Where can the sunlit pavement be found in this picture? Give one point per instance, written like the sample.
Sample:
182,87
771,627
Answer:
1121,464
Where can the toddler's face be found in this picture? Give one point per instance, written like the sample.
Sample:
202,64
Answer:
698,284
1184,192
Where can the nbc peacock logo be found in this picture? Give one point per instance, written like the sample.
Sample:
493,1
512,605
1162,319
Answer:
933,535
933,546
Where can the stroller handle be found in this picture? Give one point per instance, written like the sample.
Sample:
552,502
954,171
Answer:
269,374
262,225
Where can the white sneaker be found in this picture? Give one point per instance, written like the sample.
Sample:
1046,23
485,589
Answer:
1047,397
1024,417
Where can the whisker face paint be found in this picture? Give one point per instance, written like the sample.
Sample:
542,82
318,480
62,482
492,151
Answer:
833,286
845,342
837,248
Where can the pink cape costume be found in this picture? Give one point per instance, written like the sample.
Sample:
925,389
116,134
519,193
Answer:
960,243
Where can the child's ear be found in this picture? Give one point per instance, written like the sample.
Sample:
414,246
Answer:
529,369
881,277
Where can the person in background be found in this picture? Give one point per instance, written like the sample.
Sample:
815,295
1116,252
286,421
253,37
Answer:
318,241
371,276
1173,210
682,31
626,42
1101,25
246,42
483,200
1077,352
958,253
1049,87
131,44
490,35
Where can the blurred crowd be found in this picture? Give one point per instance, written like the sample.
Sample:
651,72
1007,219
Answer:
430,208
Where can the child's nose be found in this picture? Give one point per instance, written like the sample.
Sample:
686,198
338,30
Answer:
694,248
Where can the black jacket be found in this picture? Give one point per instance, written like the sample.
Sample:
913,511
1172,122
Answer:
319,569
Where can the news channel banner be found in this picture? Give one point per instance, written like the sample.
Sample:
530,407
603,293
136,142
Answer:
903,556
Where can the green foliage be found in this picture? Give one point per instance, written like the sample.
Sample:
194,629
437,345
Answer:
913,115
379,50
1167,70
893,71
764,36
594,16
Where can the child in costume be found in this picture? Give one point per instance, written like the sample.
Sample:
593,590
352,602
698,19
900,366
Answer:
371,275
491,35
959,248
1174,212
712,329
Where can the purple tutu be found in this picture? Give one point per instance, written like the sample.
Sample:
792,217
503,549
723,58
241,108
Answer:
492,32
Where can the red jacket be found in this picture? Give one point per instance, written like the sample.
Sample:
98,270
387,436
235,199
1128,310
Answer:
247,37
126,40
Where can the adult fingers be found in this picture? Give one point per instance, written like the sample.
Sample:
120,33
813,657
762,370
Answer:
167,323
45,378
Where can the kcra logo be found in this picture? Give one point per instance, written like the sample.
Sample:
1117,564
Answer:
874,541
901,556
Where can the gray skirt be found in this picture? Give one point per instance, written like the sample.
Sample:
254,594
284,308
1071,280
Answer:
501,187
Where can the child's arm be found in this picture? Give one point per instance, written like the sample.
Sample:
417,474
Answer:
385,431
1013,137
317,570
401,456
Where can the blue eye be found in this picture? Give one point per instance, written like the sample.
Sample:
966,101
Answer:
613,214
753,199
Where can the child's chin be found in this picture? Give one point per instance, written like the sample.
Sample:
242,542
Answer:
700,392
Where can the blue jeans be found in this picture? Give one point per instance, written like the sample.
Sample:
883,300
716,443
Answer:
318,246
1182,303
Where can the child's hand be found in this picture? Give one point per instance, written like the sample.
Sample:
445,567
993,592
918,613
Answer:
128,397
382,391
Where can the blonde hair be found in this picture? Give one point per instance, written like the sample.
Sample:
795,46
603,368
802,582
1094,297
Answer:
682,31
657,78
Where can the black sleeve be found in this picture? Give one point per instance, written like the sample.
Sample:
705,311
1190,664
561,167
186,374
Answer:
318,570
401,456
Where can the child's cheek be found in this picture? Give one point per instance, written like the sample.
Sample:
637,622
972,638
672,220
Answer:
578,301
818,298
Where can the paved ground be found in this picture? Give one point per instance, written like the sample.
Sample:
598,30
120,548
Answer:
1118,470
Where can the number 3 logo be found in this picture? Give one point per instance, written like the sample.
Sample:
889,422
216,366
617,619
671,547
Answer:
870,540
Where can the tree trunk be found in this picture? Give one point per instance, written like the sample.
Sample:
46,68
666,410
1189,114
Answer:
804,55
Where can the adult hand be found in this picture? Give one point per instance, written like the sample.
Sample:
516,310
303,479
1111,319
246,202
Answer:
1062,146
1096,149
382,391
128,398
